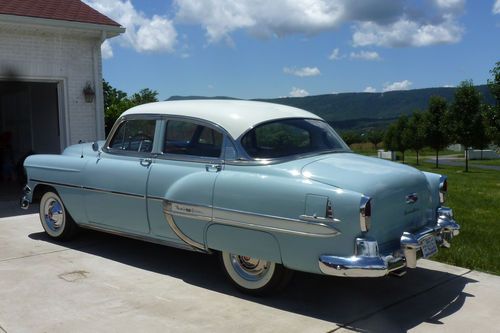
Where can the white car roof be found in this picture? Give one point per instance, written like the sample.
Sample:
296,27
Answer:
235,116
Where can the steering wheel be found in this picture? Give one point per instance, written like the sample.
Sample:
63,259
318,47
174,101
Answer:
141,138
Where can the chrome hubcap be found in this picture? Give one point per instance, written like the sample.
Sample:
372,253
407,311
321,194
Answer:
249,268
53,214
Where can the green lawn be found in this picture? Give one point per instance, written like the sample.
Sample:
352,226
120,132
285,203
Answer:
475,199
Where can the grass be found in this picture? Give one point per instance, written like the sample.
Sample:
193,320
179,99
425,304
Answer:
475,199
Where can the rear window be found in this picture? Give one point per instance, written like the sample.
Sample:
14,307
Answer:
291,137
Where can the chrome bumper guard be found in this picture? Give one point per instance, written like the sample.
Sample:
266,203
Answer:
24,202
367,261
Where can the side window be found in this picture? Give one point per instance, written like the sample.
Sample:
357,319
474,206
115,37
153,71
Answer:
134,135
187,138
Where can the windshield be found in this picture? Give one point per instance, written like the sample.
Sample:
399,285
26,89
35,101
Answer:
288,137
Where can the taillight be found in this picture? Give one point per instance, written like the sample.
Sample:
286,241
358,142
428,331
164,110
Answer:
443,189
365,213
329,210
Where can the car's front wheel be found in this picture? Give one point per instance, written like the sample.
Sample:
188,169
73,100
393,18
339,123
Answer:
55,220
254,276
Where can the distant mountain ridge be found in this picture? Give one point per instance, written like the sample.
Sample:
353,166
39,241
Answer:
360,111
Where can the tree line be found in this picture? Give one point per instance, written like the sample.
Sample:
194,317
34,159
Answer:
466,121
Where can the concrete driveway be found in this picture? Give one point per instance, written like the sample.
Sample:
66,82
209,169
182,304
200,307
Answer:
104,283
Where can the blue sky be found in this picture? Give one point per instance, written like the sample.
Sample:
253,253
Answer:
267,49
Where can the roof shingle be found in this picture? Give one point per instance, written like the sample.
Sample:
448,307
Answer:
65,10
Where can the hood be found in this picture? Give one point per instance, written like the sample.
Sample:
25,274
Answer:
82,149
362,174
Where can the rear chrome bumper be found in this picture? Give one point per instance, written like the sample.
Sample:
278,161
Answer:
367,261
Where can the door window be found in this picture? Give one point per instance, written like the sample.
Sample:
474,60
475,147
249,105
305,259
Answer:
134,135
188,138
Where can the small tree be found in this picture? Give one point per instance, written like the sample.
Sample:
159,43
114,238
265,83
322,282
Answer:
415,134
435,125
351,137
465,118
375,137
397,136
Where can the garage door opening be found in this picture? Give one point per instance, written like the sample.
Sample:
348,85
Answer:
29,124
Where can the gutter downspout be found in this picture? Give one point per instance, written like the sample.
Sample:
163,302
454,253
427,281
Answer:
99,97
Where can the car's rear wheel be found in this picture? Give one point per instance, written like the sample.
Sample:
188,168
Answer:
254,276
55,220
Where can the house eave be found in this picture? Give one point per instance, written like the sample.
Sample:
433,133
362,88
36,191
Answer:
108,30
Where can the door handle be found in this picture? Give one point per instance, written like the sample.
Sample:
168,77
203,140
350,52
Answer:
145,162
213,167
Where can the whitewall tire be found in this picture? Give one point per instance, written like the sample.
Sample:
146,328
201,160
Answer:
254,276
55,220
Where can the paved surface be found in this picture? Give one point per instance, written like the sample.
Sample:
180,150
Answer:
104,283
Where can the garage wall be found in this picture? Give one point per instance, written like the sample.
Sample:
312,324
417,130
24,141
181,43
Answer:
69,57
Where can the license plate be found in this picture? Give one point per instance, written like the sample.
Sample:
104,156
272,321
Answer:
429,247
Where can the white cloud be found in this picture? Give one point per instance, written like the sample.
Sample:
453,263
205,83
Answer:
456,5
262,18
298,92
106,50
496,7
448,86
335,55
144,34
405,33
398,85
302,72
365,55
375,22
370,89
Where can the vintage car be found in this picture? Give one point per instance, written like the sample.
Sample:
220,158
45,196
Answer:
269,188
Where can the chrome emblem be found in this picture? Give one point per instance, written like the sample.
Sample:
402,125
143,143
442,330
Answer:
411,198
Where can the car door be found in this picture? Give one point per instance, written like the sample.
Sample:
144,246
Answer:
116,182
180,186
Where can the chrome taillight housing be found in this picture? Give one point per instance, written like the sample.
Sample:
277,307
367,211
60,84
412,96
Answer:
365,213
443,189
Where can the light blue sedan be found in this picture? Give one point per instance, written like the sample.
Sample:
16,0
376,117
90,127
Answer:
269,188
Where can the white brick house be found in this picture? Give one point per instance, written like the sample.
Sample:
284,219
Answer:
50,50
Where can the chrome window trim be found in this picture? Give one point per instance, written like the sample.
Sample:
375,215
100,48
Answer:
107,149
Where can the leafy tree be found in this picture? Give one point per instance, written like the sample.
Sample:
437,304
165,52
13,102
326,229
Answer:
351,137
375,137
435,125
492,113
397,136
494,83
116,102
144,96
492,122
415,133
465,117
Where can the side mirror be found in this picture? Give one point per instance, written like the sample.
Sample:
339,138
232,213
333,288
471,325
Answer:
95,146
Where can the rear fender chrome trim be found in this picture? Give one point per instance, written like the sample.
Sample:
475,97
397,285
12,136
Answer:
169,209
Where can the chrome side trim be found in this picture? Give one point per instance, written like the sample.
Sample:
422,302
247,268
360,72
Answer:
316,228
170,209
139,237
89,188
273,223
